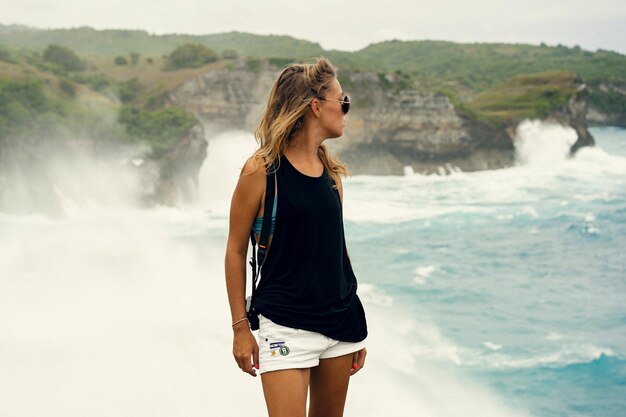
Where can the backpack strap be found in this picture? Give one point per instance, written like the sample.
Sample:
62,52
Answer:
258,257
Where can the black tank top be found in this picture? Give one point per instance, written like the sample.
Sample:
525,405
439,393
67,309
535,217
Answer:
307,281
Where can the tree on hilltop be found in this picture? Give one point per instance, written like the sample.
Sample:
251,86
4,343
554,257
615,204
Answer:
63,57
190,56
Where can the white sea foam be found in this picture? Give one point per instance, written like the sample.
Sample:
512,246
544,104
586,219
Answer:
492,346
563,356
70,181
423,272
227,154
543,144
543,165
140,317
125,312
370,294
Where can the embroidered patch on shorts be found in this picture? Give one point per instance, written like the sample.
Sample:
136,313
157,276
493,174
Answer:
284,350
275,345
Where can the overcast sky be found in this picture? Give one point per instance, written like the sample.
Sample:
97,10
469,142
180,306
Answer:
346,24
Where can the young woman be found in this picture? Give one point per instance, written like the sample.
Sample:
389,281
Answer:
312,324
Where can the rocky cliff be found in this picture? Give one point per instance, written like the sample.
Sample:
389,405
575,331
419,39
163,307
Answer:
608,104
390,125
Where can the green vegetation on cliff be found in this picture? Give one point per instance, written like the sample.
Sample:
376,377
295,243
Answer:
20,103
63,57
91,42
524,96
497,83
190,56
485,64
608,101
159,128
53,106
460,70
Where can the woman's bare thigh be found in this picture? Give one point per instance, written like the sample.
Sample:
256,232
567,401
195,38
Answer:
286,392
329,386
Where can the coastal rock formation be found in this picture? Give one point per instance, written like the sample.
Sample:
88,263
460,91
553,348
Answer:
386,130
390,125
574,114
599,115
172,178
422,130
227,98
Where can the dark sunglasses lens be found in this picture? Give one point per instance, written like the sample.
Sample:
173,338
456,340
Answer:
345,106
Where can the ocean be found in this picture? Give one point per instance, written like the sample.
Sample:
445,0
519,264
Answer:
493,293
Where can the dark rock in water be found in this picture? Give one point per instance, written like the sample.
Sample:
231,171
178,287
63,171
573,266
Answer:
574,114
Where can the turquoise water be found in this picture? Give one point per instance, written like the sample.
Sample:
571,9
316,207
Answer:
522,270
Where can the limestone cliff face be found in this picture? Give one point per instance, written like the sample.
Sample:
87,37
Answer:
597,117
422,130
227,98
389,126
574,114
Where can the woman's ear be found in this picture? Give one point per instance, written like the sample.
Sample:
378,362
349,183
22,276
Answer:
316,107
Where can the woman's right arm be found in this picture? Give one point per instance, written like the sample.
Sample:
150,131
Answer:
244,206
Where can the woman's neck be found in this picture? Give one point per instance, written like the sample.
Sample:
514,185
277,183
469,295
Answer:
303,147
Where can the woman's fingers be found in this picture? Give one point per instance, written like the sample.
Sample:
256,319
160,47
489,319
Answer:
358,360
255,356
247,356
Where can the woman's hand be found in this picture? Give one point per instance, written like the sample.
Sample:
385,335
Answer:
358,360
245,349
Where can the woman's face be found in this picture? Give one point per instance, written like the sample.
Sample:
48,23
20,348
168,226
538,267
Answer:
332,118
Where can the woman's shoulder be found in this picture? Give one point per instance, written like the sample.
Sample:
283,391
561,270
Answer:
252,177
256,166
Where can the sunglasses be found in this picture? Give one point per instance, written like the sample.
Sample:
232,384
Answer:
345,103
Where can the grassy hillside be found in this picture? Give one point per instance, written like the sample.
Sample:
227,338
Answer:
104,103
463,70
471,68
524,96
496,83
90,42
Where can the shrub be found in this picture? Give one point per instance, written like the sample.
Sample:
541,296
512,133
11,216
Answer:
20,103
159,128
63,57
134,58
97,81
280,62
128,90
120,60
67,87
230,54
190,56
4,54
253,64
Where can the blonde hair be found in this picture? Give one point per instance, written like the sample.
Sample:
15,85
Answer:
291,94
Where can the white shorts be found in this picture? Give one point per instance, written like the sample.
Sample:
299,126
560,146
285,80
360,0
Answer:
283,347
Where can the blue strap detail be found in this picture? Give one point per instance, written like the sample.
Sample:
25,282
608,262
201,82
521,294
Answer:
258,222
